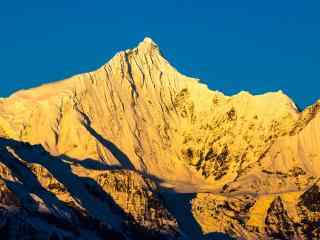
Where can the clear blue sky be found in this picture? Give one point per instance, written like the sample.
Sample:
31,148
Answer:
230,45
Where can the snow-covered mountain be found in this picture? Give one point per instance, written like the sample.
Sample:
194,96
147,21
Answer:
137,150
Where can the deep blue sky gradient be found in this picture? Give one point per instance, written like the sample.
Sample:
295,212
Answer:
230,45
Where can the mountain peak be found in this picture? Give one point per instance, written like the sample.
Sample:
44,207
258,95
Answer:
147,45
147,41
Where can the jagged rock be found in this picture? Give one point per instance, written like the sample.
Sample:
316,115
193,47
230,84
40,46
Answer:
278,223
139,198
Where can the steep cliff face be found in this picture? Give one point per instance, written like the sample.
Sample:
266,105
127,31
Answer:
274,197
105,146
290,215
291,163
